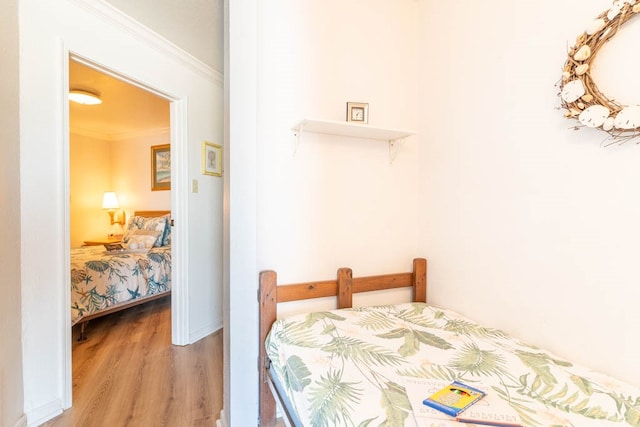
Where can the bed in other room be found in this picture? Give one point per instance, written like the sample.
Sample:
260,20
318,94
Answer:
103,282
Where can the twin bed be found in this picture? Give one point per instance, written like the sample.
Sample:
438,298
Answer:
103,282
373,366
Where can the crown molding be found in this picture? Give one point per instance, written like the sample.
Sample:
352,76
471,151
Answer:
107,12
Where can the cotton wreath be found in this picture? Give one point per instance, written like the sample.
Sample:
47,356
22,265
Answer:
580,97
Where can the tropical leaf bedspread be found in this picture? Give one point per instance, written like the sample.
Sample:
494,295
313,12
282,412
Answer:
351,367
100,281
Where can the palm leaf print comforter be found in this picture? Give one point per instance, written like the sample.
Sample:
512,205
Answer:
100,281
351,367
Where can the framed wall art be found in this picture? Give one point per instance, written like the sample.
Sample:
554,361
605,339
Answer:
161,167
357,112
211,159
581,100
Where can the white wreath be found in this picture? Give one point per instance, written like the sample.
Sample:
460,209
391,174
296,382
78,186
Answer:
580,96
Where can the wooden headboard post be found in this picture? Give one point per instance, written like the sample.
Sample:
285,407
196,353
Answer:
267,297
419,280
345,291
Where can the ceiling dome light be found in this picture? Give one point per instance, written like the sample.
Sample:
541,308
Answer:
84,97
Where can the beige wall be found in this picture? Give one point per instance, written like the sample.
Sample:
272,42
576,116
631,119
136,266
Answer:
131,173
123,166
11,367
89,178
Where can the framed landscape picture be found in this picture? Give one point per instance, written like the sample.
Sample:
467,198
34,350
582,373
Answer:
161,167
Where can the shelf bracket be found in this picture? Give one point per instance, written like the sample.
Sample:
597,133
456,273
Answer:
394,148
296,133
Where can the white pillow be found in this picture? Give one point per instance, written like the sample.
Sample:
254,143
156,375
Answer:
140,239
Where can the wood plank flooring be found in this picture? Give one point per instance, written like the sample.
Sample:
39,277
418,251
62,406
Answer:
127,373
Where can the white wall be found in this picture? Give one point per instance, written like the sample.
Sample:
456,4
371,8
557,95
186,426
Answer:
529,226
11,389
47,29
240,404
336,201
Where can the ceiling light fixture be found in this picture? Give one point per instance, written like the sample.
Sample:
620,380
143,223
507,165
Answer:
84,97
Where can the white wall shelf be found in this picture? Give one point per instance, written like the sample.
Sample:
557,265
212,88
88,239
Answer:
393,137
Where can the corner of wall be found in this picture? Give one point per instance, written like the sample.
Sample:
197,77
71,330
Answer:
42,414
22,421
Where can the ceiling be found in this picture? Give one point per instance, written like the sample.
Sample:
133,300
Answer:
126,110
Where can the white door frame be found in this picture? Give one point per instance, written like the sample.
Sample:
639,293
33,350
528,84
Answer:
179,212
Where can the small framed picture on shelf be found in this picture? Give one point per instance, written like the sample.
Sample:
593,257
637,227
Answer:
211,158
357,112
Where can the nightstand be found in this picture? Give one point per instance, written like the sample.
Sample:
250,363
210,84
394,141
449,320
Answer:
101,242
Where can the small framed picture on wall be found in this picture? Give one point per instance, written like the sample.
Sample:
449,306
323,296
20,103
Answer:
161,167
357,112
211,158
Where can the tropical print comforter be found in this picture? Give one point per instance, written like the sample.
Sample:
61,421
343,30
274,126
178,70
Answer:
353,367
100,281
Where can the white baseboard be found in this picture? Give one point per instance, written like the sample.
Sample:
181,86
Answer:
44,413
222,422
196,336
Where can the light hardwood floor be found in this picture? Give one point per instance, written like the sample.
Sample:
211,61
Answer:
127,373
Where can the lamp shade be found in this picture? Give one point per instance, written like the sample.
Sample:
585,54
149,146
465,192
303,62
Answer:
110,201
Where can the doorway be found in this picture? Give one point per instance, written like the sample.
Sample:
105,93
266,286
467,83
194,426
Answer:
110,149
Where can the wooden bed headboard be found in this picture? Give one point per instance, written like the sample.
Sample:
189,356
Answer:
151,213
270,294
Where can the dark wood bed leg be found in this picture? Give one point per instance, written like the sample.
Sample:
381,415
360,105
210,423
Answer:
267,297
420,280
345,295
82,336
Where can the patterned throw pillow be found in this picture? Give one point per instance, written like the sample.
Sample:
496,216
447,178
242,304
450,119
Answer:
146,223
166,238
